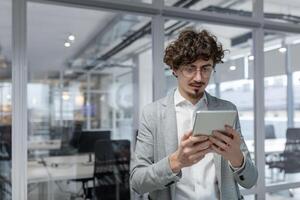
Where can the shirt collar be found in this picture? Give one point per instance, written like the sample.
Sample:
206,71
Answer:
179,99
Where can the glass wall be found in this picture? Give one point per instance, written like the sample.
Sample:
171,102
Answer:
80,97
281,129
242,8
5,99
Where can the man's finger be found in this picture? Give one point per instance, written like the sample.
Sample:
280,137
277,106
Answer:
223,137
216,149
218,143
198,156
186,135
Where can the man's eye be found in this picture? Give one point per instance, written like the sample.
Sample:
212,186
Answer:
190,69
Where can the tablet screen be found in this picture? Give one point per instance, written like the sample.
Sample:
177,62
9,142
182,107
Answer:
209,120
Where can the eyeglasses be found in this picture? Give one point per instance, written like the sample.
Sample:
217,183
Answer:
190,71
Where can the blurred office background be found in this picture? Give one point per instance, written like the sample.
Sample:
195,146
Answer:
92,65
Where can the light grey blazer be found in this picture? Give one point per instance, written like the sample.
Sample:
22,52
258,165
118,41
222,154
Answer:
157,139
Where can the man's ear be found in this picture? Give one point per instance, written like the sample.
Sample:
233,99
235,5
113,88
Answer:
174,73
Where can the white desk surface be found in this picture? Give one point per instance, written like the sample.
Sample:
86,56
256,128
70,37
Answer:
44,144
60,168
271,145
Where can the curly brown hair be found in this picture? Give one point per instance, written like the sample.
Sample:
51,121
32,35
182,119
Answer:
191,46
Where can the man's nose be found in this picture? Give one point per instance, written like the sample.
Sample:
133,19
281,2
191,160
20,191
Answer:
198,76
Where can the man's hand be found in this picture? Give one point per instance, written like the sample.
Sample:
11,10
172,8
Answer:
190,151
228,145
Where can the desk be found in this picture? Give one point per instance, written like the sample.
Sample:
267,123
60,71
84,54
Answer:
271,145
44,144
58,168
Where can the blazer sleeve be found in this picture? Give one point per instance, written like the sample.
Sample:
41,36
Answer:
246,176
147,176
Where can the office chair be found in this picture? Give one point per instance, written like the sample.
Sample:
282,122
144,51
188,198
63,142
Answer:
86,145
288,162
270,131
5,143
5,188
111,171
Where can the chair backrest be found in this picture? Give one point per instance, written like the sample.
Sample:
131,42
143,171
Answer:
111,170
270,131
5,142
291,152
88,139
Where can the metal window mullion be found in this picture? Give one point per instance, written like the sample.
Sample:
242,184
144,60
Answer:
19,101
143,9
289,88
259,110
61,87
159,78
89,107
259,100
136,100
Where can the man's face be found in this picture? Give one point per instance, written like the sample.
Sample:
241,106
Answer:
193,78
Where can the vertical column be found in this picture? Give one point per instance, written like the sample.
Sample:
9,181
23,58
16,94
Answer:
289,89
135,83
61,90
159,79
19,103
259,100
259,110
88,102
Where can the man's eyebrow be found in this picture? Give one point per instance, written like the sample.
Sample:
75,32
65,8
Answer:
207,65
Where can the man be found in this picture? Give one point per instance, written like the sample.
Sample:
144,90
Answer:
170,163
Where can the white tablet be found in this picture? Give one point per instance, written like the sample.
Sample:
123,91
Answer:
209,120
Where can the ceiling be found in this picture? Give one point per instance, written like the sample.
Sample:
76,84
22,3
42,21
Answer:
49,26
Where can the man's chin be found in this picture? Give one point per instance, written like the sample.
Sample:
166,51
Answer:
196,93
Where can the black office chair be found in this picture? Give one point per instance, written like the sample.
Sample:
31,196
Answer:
270,131
5,188
111,172
5,143
288,162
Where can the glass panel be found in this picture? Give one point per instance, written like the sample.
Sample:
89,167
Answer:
242,8
282,11
296,87
5,99
80,91
249,197
282,149
284,194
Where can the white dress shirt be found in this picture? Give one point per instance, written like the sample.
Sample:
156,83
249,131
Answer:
197,182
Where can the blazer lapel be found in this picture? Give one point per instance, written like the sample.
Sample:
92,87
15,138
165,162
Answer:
169,123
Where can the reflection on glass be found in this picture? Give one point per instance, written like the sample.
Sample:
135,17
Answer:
79,94
242,8
281,143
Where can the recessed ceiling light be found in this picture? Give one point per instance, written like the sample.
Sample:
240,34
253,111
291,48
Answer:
251,57
65,96
68,72
67,44
232,67
71,37
282,50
